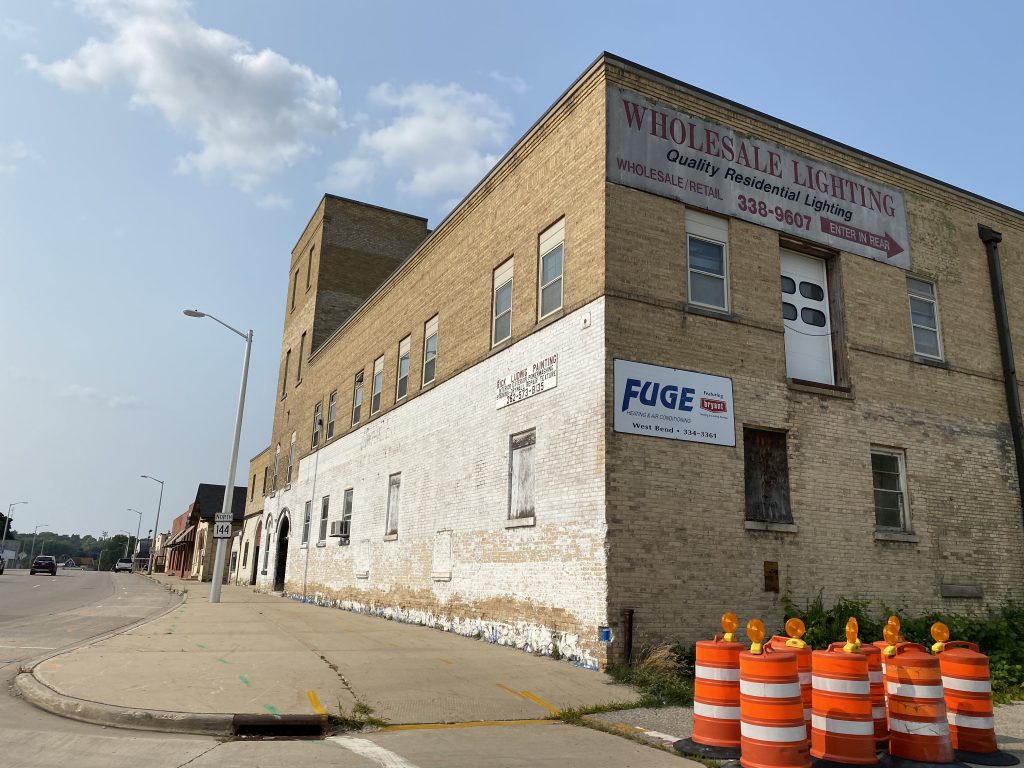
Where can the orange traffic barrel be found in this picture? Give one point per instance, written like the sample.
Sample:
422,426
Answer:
918,729
877,683
842,726
803,669
772,729
968,696
716,702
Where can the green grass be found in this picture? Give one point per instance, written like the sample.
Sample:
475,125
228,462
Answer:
360,717
658,687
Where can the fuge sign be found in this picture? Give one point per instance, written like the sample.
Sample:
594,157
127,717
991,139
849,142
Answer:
708,165
677,405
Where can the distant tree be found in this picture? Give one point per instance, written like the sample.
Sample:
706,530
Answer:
11,534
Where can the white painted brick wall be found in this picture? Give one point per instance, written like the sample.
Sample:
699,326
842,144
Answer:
451,446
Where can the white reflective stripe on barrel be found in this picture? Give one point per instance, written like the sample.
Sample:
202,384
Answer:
966,721
874,677
833,685
969,686
716,673
914,691
770,690
845,727
716,711
805,678
914,728
878,712
785,734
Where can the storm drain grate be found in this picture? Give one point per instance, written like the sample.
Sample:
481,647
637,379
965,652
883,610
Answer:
279,726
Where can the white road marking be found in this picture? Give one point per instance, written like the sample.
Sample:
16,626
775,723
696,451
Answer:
385,758
31,647
36,586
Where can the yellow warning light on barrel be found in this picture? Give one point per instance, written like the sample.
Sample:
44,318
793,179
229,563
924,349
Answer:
795,628
852,628
891,633
894,619
755,631
940,634
729,625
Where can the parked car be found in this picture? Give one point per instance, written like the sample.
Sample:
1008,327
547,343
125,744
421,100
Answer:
124,564
46,563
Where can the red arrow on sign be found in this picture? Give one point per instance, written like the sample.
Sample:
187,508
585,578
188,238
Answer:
883,243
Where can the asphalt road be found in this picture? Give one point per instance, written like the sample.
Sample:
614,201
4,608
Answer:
41,614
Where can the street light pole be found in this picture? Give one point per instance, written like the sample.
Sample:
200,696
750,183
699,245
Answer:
32,552
156,525
7,526
128,543
138,530
229,487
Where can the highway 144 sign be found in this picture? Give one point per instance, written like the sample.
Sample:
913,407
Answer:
222,530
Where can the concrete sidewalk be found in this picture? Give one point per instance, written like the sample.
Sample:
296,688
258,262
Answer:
262,654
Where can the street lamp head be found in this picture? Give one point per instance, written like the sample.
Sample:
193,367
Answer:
193,313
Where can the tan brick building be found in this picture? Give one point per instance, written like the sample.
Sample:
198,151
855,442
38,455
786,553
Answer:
670,356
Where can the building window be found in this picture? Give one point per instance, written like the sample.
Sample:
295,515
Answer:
277,467
378,384
501,325
394,485
766,475
302,352
346,516
707,254
295,285
245,554
430,350
402,387
325,504
889,478
305,522
521,475
357,398
252,491
317,422
291,460
284,376
309,268
332,413
924,317
551,256
266,472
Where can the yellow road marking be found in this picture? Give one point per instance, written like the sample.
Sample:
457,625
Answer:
315,702
476,724
443,660
541,702
506,688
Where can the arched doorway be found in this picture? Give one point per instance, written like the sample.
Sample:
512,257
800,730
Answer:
256,553
281,560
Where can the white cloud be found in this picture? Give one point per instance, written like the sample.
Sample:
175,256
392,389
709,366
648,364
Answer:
437,145
16,31
515,82
13,155
272,201
252,113
93,397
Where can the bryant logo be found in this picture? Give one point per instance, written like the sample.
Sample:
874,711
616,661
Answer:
715,406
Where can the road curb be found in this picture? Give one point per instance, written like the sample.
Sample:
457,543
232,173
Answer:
44,697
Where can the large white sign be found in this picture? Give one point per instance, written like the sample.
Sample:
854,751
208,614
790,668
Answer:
678,405
707,165
528,381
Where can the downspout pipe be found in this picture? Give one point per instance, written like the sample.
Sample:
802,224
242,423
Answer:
991,239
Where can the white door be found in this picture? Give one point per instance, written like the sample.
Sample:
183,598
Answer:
806,318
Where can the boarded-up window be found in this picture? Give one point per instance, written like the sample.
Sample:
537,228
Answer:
521,475
767,476
394,485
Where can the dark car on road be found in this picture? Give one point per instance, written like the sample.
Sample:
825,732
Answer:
42,563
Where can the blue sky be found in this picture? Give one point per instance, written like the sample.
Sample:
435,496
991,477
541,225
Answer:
157,155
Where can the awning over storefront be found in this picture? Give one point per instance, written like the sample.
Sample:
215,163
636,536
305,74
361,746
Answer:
185,537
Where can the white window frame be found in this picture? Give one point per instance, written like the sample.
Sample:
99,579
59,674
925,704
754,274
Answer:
394,504
429,332
550,240
277,469
318,417
404,356
377,392
291,460
332,414
710,229
346,513
934,301
502,276
325,504
357,399
901,458
306,521
528,440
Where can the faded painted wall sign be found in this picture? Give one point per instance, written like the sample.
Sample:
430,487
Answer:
528,381
677,405
707,165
